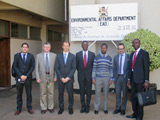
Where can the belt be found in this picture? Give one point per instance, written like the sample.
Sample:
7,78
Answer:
47,73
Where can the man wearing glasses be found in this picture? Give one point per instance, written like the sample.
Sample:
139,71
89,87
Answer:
120,74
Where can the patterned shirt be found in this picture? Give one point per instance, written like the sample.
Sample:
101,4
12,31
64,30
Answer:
102,67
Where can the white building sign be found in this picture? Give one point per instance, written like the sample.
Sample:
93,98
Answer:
103,22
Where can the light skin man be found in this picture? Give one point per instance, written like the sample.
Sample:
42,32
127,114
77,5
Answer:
65,67
120,74
24,65
45,75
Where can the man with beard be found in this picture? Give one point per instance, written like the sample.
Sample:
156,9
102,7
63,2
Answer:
102,75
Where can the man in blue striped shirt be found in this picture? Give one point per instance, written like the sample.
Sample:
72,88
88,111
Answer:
102,75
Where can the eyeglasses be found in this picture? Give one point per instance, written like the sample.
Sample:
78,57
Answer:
120,48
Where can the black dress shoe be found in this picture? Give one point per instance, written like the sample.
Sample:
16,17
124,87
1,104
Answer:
60,111
116,111
95,112
30,111
70,111
131,116
105,111
122,112
17,112
83,110
87,110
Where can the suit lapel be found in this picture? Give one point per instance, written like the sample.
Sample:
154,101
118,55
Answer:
139,54
28,55
62,60
20,57
68,58
125,61
42,59
117,60
50,64
81,56
89,55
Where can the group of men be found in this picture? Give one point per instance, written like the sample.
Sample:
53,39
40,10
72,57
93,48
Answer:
125,70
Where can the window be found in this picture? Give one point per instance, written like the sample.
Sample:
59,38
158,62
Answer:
35,33
50,35
4,29
18,30
55,36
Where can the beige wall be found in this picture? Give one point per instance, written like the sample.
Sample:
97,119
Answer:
53,9
148,13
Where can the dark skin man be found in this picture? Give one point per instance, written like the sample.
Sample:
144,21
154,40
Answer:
104,51
136,45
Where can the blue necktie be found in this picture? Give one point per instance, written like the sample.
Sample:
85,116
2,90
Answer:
65,58
24,60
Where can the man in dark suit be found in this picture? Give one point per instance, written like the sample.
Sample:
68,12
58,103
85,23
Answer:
138,77
120,74
65,67
84,61
24,65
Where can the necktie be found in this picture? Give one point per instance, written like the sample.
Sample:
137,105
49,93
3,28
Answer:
24,60
134,59
120,65
85,60
65,58
47,64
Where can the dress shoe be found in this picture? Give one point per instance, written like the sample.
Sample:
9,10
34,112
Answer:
31,111
51,110
105,111
95,112
87,110
138,119
43,111
60,111
83,110
116,111
122,112
131,116
70,111
17,112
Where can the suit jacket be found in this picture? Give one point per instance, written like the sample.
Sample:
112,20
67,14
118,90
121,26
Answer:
84,73
22,68
116,67
40,66
65,70
141,67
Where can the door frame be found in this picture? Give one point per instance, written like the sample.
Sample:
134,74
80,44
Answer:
9,54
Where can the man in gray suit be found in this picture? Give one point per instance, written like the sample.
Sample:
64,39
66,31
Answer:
120,74
65,68
46,76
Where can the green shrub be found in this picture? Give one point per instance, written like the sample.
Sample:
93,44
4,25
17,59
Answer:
149,42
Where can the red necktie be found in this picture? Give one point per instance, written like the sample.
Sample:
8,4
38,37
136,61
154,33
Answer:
134,59
85,60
